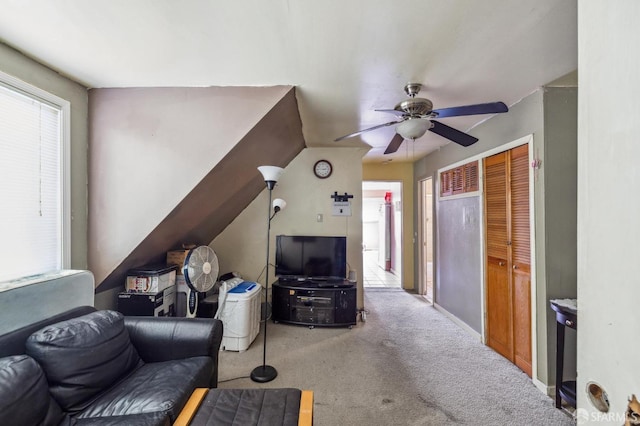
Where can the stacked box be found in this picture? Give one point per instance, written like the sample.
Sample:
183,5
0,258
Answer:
149,291
177,257
150,278
161,304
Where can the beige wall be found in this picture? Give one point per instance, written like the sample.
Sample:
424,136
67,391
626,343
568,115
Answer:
402,172
241,246
17,65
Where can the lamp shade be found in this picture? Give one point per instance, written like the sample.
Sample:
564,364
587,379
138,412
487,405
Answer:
413,128
271,173
279,204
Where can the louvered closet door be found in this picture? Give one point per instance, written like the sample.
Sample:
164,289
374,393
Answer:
521,257
499,314
508,255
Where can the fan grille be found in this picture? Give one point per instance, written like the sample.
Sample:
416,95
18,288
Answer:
201,268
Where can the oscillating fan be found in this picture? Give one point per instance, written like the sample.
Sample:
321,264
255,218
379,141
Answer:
200,271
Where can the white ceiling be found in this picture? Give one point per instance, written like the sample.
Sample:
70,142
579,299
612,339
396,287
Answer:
346,57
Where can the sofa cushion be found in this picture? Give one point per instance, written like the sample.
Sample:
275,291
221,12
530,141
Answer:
144,419
24,394
156,387
83,356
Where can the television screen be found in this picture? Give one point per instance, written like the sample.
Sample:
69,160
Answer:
311,257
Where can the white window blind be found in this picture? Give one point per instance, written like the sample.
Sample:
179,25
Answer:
31,185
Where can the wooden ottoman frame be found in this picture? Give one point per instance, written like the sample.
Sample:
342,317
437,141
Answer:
305,417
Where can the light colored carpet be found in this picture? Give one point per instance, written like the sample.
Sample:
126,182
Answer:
406,365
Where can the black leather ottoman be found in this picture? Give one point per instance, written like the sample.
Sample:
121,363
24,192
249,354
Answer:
248,407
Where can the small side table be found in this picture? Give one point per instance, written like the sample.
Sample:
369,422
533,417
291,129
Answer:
566,316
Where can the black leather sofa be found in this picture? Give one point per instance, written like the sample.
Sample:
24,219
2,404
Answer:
88,367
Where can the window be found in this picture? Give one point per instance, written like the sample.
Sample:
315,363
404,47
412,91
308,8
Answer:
34,217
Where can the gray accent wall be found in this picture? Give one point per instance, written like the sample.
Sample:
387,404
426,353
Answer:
561,168
550,116
459,230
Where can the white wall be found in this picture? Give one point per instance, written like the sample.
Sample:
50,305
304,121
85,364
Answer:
370,238
608,202
241,246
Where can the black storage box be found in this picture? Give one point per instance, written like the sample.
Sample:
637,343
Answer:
161,304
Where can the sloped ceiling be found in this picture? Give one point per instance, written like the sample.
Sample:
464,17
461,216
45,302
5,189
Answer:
173,166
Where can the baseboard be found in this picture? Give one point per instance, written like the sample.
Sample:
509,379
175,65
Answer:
547,390
458,322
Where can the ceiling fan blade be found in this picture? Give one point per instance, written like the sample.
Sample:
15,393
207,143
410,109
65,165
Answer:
452,134
489,108
394,144
392,111
365,130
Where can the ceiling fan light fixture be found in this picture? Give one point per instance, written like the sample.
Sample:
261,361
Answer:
413,128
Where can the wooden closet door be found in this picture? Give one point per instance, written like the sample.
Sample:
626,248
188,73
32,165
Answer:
521,257
499,298
508,326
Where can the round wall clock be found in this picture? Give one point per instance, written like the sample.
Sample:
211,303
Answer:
322,169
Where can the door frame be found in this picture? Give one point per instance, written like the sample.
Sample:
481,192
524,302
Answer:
528,140
402,224
422,285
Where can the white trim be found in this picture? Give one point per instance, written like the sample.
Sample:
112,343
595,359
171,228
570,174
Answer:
507,146
66,184
458,196
64,105
421,284
547,390
532,264
483,245
422,242
463,325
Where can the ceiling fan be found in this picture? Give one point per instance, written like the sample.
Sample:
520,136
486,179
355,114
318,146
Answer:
416,116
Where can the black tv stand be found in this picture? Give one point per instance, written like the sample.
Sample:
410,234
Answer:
315,303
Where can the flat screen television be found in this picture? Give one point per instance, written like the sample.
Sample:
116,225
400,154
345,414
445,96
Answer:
311,257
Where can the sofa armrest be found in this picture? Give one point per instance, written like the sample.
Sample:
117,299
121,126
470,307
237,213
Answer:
160,339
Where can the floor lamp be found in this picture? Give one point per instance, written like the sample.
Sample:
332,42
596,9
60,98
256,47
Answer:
265,373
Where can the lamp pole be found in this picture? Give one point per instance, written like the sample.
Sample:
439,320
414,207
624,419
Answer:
265,373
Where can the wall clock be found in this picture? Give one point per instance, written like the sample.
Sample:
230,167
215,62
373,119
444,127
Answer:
322,169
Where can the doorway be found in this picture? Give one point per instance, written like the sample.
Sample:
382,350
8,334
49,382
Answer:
382,234
425,233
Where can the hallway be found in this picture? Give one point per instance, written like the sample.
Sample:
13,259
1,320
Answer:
374,275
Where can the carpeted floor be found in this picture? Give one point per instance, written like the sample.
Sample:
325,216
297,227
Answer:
406,365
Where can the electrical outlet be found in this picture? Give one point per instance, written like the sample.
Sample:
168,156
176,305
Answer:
319,217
